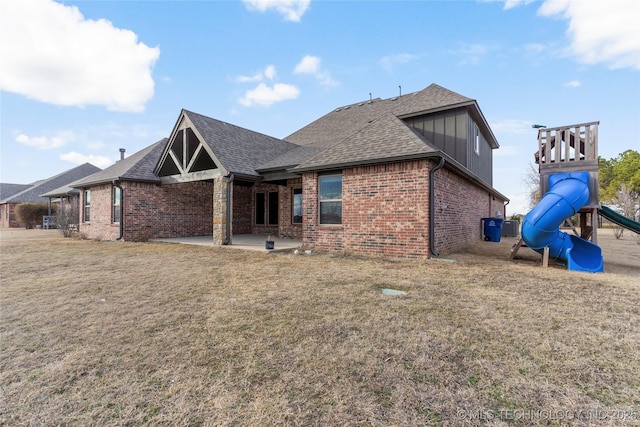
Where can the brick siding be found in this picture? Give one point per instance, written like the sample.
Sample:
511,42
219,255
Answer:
152,211
385,211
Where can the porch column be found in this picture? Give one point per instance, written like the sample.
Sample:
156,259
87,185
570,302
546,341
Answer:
219,210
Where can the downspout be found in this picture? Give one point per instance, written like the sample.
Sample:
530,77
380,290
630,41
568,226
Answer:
432,215
116,183
504,209
227,238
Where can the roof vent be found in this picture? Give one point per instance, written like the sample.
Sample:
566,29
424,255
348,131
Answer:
361,104
122,151
347,107
338,109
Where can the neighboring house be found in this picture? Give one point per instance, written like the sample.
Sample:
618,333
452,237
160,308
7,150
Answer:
33,193
409,176
7,214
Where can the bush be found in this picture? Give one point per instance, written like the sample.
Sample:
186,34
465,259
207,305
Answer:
30,214
67,217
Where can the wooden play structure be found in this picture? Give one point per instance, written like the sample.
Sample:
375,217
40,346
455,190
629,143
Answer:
567,149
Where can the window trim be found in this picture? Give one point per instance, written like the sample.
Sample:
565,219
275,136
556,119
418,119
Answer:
320,201
116,206
86,211
293,205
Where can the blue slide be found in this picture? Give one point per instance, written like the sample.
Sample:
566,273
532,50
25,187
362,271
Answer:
568,192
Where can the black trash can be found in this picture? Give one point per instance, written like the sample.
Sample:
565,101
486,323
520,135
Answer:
492,229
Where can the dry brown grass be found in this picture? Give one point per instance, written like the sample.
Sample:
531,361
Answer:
157,334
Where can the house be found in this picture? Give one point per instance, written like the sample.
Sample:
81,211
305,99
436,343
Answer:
13,194
409,176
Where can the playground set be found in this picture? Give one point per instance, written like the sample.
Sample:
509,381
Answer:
567,159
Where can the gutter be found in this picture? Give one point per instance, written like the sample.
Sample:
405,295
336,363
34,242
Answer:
432,225
116,183
227,238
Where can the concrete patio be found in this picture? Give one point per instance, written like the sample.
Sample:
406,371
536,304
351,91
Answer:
248,242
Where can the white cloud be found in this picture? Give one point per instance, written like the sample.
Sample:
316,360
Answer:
387,62
269,72
291,10
59,57
266,95
79,159
311,65
308,65
573,83
508,4
600,31
46,142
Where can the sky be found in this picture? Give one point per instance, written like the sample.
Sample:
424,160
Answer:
81,79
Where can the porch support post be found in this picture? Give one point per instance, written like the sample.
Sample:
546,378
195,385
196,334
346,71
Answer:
219,210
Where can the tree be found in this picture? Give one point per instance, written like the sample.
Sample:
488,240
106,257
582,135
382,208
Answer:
620,184
532,182
624,169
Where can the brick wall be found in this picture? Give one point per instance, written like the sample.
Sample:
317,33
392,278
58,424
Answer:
242,221
8,216
286,228
385,211
459,205
152,211
100,226
175,210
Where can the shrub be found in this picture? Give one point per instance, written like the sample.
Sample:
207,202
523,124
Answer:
30,214
67,217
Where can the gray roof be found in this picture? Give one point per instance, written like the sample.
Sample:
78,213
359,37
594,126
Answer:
63,191
344,121
291,158
137,167
370,131
7,190
384,138
33,193
239,150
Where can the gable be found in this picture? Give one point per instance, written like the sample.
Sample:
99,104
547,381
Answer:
187,157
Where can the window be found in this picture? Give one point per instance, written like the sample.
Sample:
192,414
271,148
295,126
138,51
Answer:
117,199
330,199
87,205
273,208
476,141
260,208
296,214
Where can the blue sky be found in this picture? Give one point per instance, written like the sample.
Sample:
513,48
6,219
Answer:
80,79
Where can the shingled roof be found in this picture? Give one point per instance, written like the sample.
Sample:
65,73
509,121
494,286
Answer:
239,150
33,193
137,167
344,121
383,139
7,190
